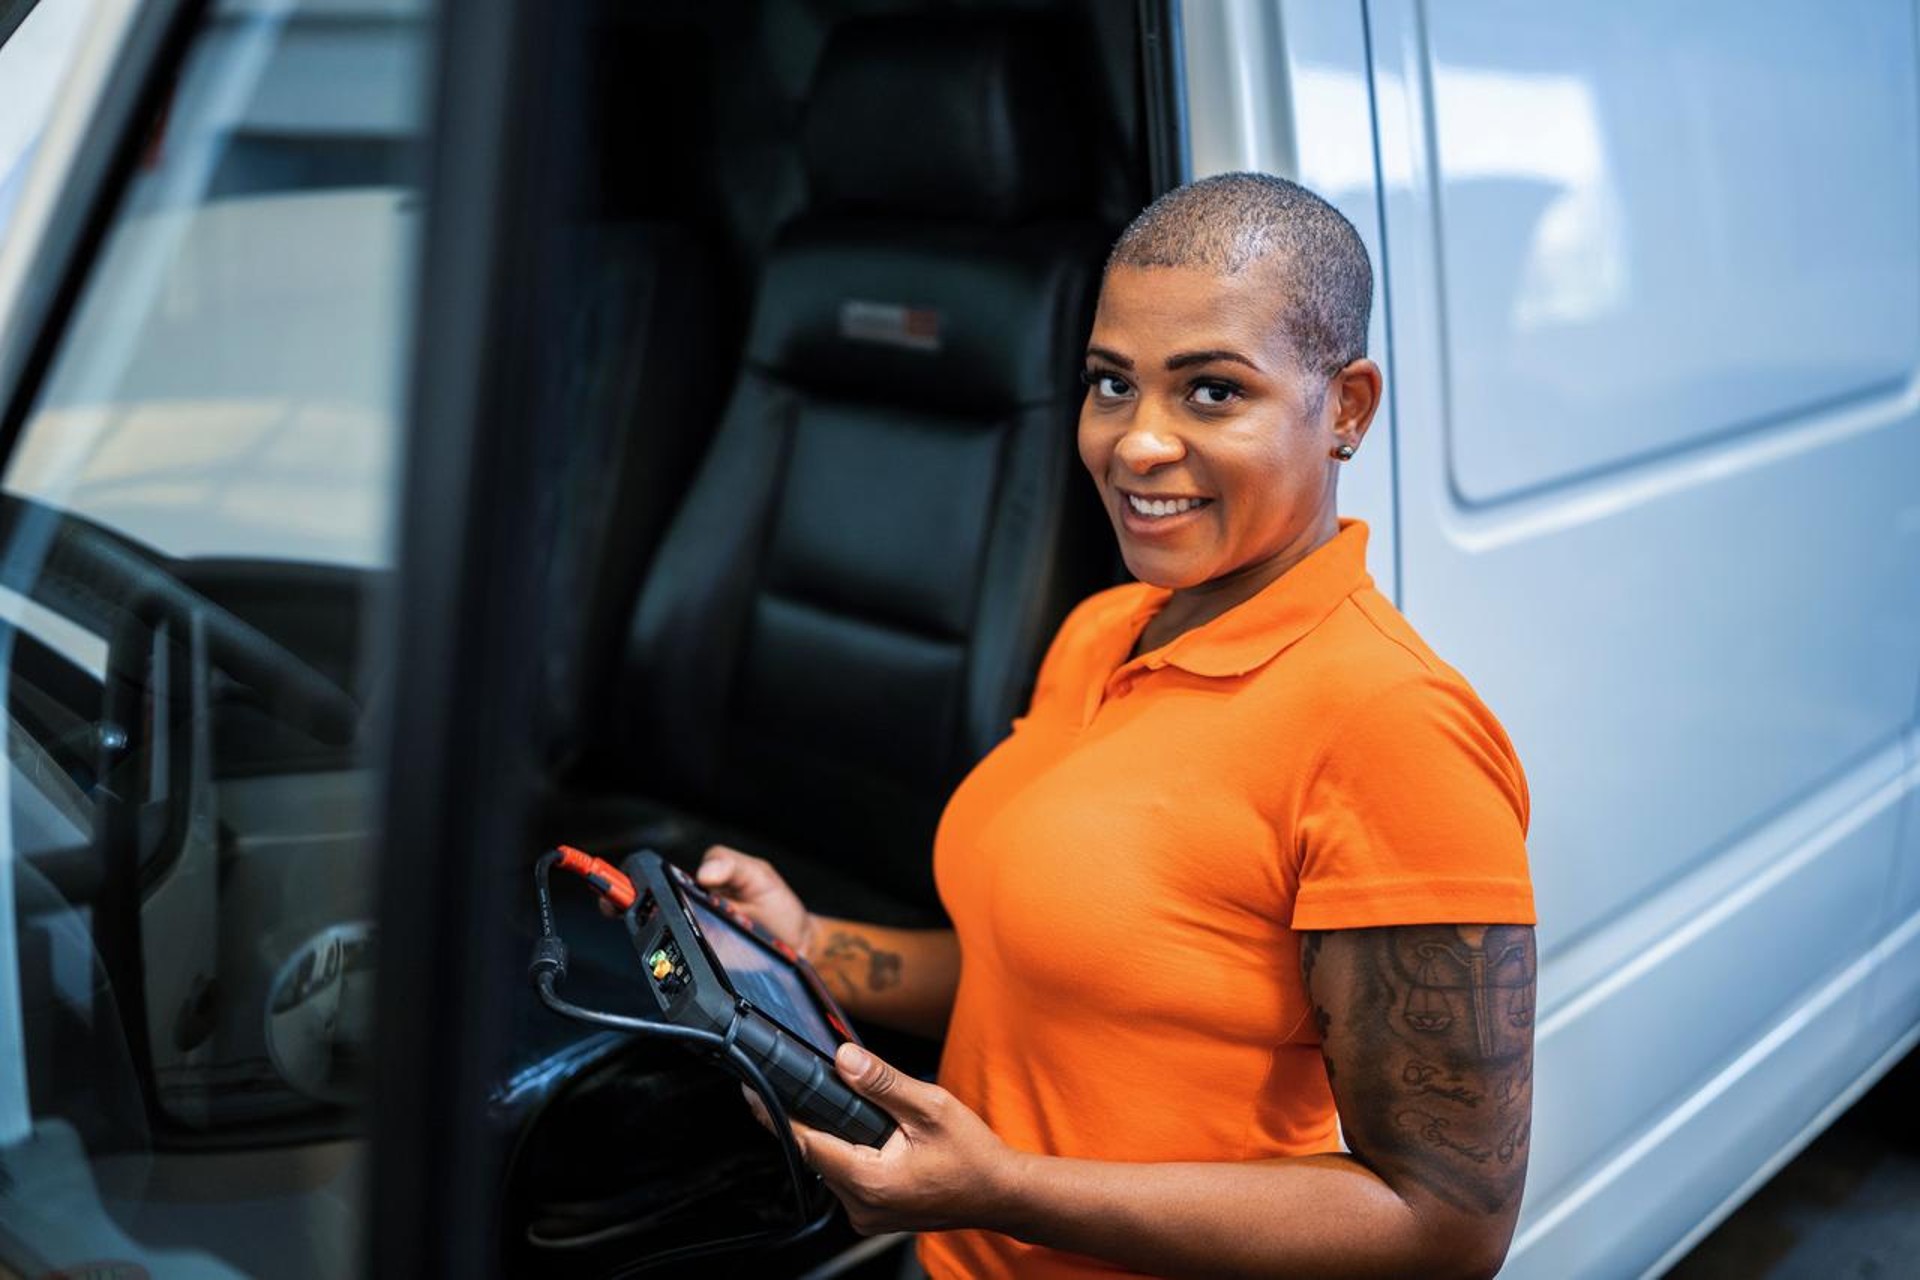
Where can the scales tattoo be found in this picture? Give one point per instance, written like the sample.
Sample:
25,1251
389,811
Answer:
1489,978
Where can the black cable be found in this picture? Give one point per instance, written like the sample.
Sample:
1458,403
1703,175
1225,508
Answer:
549,965
796,1166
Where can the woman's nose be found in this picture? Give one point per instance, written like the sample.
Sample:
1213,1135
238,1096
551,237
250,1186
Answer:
1146,445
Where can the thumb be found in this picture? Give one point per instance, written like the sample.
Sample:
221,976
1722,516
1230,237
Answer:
897,1093
716,868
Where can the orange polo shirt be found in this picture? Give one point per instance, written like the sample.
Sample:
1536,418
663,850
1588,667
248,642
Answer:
1128,870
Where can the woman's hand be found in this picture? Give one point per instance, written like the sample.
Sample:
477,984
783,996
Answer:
942,1168
901,978
752,885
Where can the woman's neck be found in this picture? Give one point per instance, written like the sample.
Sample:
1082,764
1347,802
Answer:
1195,606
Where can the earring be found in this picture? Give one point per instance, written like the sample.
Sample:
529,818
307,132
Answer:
1344,452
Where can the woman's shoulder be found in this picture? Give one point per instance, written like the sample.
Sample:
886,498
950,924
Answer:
1379,670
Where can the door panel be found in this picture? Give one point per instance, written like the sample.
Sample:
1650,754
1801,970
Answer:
1283,89
1651,242
1894,1013
1669,528
196,514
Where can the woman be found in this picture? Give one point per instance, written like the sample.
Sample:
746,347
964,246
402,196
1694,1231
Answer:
1250,876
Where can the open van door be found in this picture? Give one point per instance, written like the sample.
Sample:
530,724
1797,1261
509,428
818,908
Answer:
289,332
207,300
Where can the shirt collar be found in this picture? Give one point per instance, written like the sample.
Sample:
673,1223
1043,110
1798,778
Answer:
1253,632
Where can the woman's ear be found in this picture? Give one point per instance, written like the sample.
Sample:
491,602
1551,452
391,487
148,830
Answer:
1353,396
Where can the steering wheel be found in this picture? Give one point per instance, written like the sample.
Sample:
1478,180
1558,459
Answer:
95,577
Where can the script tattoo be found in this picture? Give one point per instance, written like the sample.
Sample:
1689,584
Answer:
1427,1032
1424,1077
847,953
1436,1131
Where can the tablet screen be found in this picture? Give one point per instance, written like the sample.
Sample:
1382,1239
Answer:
764,979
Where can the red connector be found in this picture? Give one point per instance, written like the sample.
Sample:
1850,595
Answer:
607,880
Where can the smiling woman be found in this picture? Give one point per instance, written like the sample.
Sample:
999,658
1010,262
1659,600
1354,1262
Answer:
1251,873
1217,462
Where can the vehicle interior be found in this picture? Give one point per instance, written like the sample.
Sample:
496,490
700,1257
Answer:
835,592
817,274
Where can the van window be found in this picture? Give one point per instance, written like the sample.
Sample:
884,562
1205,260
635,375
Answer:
37,42
196,526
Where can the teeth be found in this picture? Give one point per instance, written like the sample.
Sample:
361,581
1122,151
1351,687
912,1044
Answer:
1163,506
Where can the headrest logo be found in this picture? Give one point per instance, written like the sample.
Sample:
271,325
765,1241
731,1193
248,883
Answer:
892,325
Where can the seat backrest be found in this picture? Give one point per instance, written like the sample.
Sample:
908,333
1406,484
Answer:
849,607
645,327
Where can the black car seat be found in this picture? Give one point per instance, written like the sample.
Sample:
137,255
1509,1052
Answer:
849,606
646,330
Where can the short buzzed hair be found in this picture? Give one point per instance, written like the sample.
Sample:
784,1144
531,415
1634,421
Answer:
1234,221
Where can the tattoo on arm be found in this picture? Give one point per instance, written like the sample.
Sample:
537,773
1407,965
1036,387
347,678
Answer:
1427,1032
848,960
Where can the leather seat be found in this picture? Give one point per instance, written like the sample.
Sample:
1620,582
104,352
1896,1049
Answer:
850,604
644,346
643,329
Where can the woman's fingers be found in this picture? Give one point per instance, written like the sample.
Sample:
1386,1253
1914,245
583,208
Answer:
733,873
758,1108
756,888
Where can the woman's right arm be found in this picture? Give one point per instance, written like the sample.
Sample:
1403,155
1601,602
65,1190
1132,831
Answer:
899,978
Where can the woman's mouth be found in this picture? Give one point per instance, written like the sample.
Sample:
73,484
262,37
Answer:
1142,513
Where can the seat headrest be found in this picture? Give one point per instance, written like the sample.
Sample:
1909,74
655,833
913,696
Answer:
945,319
952,116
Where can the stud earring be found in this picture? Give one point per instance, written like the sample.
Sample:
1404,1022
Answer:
1344,452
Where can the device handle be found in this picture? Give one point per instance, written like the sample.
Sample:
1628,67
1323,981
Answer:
819,1096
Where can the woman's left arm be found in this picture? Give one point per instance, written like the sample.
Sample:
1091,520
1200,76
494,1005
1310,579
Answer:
1427,1032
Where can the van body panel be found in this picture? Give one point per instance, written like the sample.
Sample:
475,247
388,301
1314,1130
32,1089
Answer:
1895,1006
1639,1041
1704,637
1893,1013
1632,696
1628,1213
1627,256
1283,89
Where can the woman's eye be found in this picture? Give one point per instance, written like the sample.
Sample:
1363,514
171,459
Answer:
1106,385
1214,395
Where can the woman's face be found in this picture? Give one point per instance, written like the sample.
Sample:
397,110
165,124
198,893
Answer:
1211,446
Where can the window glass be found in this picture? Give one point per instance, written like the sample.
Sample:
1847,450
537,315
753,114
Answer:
38,39
196,527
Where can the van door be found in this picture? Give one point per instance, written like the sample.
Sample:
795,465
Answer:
1654,341
205,303
1286,89
1894,1011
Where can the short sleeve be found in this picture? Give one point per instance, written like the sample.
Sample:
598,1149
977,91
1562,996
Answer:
1415,813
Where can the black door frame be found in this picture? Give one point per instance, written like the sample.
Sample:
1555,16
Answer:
464,760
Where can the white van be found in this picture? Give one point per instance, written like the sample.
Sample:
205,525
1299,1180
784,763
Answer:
429,433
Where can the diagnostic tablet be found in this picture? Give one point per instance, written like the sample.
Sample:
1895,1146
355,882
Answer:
711,968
